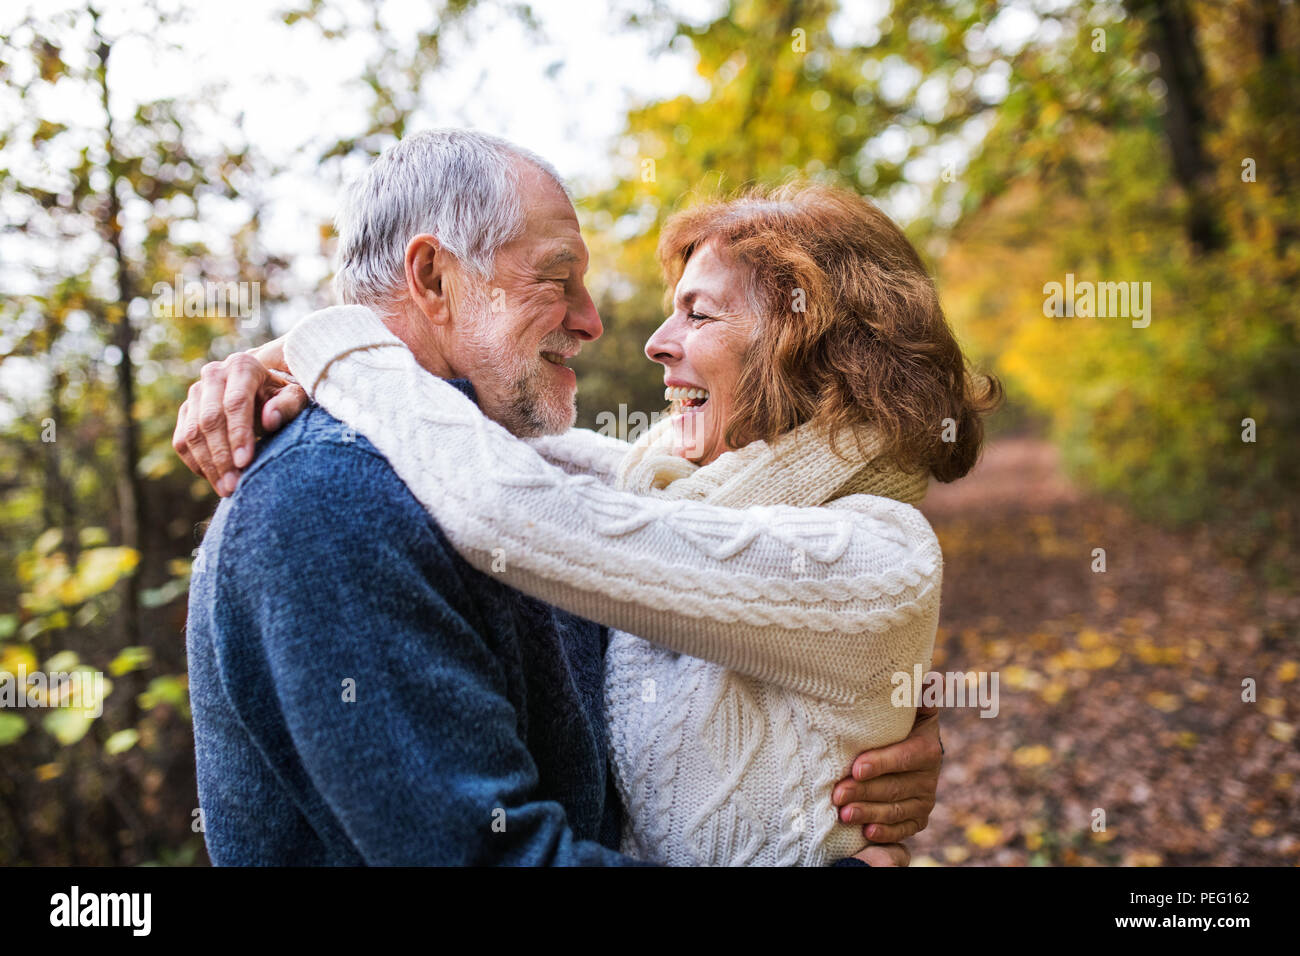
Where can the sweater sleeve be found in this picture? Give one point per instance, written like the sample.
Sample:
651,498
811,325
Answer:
808,598
581,451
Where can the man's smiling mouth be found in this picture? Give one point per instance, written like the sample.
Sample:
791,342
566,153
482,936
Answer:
555,358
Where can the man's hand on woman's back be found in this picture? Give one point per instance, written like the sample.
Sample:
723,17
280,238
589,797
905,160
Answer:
891,791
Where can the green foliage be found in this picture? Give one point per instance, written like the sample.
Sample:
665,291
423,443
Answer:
1153,415
95,505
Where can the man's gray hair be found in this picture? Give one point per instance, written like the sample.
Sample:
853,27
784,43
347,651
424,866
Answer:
459,185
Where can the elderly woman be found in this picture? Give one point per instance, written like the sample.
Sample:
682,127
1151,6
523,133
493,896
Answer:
757,552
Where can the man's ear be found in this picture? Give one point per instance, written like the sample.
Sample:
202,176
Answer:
429,277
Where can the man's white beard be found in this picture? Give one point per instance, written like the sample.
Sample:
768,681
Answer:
529,405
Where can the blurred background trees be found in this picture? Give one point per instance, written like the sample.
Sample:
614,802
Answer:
1139,142
99,521
1150,141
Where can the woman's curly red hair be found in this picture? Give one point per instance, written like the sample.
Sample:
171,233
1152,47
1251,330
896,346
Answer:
850,329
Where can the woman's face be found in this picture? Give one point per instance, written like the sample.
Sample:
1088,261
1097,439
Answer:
700,347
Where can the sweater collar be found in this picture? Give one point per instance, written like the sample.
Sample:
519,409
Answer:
804,467
329,334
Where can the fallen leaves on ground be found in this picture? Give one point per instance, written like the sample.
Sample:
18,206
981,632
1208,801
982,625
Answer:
1122,736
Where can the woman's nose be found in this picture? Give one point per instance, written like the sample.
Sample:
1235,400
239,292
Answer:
664,347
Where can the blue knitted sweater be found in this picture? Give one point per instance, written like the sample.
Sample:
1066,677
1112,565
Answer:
361,695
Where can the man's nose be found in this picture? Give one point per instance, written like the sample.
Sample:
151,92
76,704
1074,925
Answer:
583,320
663,346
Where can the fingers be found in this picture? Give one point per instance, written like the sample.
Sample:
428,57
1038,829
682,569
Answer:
245,377
914,809
893,854
271,354
920,751
212,422
215,427
192,445
893,832
931,680
284,406
181,443
890,789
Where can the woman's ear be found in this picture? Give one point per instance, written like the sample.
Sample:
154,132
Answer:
427,273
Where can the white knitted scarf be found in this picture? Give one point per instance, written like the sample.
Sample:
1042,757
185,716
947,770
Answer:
800,468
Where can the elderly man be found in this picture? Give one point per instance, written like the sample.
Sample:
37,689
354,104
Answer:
361,694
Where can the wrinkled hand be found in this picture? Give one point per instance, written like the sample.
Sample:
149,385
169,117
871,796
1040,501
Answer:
891,854
892,789
216,425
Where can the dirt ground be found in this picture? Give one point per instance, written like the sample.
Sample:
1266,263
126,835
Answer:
1120,692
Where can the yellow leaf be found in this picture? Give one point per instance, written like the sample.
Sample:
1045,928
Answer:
12,726
1286,671
98,570
1166,703
130,659
1018,677
47,541
997,650
121,741
1281,731
1033,756
67,725
984,835
1102,657
93,537
1068,659
62,661
1090,639
15,658
1054,691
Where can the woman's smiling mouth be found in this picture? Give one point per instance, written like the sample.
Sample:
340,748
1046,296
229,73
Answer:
686,397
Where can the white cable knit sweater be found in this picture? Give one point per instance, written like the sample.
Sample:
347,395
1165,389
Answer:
776,629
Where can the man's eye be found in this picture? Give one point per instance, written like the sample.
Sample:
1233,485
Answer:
698,317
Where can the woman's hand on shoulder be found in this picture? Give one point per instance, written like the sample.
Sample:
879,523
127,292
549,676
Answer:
216,426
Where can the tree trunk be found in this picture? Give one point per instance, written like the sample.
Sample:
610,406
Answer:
131,504
58,506
1171,36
